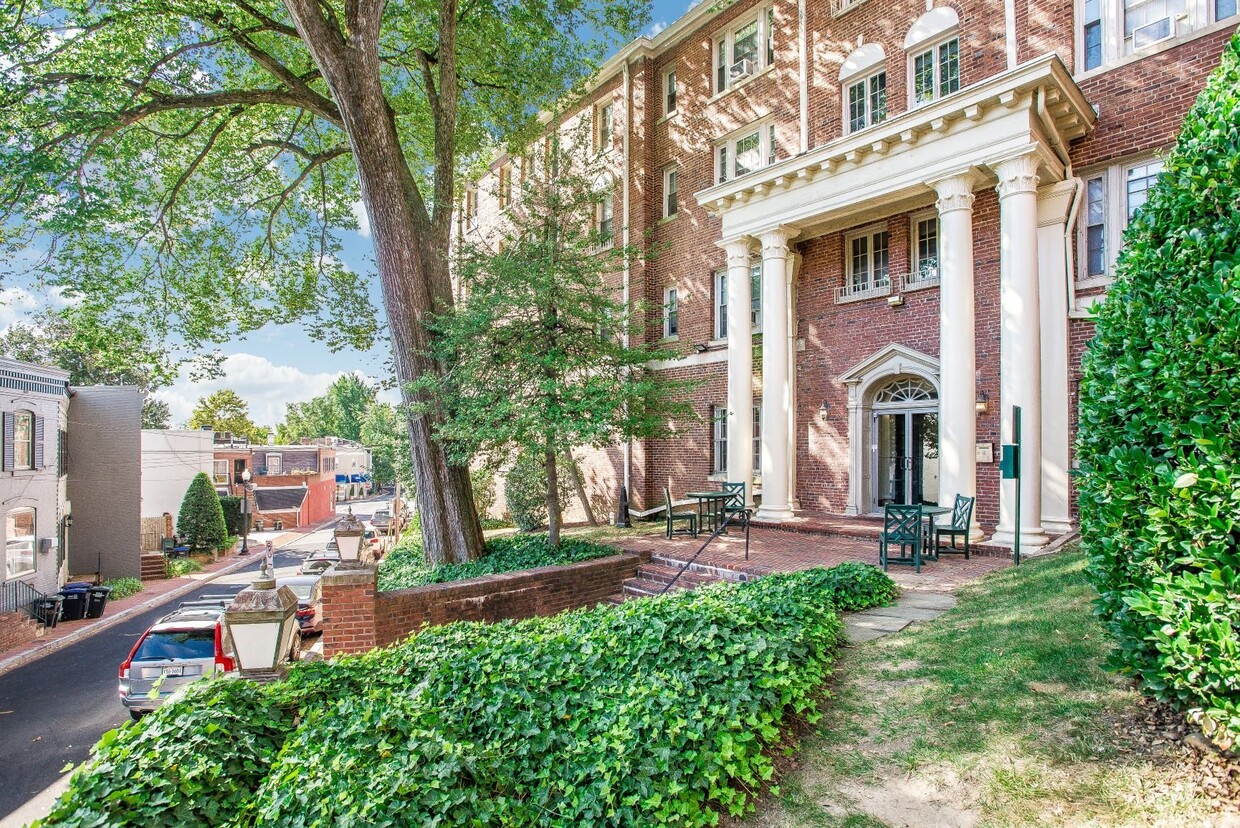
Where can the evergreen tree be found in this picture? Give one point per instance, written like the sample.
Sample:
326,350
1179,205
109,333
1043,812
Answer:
200,523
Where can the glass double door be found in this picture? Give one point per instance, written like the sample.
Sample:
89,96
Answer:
906,457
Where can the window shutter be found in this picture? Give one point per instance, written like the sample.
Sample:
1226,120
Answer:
9,422
38,442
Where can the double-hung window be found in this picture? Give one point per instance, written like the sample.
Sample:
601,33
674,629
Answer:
1109,30
671,313
924,261
603,220
669,92
603,123
721,300
23,440
757,438
745,49
719,439
505,185
748,150
867,101
220,471
19,541
275,464
671,183
936,71
866,266
1111,199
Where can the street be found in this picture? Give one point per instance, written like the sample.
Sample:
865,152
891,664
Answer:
54,709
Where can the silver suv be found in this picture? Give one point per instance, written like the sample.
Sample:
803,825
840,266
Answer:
178,649
381,519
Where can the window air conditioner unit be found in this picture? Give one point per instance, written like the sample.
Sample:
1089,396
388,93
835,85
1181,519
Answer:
742,69
1143,36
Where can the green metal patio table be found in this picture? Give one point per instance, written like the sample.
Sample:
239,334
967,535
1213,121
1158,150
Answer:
929,513
708,499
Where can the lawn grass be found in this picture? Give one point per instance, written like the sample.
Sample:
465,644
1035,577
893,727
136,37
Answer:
995,714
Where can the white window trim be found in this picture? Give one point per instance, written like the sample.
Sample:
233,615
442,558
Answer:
267,462
669,72
718,443
604,143
764,130
667,313
503,193
34,541
1115,216
718,288
846,85
932,45
845,293
28,443
1199,22
607,201
667,177
727,36
215,471
912,280
720,277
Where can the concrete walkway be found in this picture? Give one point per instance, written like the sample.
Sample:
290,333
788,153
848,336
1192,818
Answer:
911,606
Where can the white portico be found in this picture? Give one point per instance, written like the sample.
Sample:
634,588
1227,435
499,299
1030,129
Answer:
1010,133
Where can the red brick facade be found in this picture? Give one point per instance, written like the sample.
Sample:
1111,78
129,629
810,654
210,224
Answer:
1139,101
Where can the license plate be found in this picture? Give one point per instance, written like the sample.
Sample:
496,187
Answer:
172,671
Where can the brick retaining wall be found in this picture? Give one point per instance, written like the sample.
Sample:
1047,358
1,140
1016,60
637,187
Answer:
16,630
356,617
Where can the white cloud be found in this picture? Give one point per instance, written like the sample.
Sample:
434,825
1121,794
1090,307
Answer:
267,387
363,220
656,28
17,305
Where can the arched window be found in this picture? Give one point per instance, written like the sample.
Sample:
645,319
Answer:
933,49
863,82
908,391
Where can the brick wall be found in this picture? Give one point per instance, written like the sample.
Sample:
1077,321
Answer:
17,629
355,617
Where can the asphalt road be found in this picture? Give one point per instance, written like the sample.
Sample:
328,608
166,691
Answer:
54,709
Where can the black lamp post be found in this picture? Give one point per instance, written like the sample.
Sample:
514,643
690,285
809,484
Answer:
245,512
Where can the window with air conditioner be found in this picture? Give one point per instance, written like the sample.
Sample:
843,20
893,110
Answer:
745,49
1110,30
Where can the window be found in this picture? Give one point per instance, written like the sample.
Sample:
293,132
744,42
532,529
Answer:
604,224
23,440
604,124
721,304
671,313
719,439
1105,215
275,464
669,92
471,209
924,262
671,183
745,49
865,266
1109,30
220,471
757,437
19,542
1092,34
867,102
745,153
505,185
755,295
936,72
1148,21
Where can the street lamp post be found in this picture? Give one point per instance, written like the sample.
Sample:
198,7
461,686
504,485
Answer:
245,512
262,626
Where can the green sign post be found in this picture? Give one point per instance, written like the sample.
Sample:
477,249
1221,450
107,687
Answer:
1009,468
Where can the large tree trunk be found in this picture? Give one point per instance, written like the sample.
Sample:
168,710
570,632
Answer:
553,497
410,253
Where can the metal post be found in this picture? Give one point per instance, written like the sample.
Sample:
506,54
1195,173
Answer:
622,509
1016,442
245,520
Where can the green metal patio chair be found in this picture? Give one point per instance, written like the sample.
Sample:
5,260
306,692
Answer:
902,531
673,517
962,515
734,505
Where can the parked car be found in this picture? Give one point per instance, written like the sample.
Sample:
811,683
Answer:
333,545
177,650
319,562
376,543
381,520
306,588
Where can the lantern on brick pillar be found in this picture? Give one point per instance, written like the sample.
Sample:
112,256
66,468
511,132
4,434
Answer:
350,536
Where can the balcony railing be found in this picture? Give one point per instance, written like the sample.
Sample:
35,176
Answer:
862,290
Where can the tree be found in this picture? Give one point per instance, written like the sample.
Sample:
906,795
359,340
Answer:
156,414
224,410
201,520
388,442
195,162
540,347
337,413
1159,442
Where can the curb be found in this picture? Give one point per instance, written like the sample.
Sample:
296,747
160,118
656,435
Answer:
22,659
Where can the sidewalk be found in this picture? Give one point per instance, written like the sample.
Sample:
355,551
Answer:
152,594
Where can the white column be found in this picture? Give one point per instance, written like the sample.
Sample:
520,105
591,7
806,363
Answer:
740,365
1054,205
1020,345
794,267
776,397
957,349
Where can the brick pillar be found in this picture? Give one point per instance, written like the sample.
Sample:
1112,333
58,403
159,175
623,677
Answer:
347,616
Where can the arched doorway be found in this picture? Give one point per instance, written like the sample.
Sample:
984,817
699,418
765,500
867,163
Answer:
905,449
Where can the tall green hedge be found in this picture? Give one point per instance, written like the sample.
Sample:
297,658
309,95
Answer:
201,520
234,521
658,712
1159,441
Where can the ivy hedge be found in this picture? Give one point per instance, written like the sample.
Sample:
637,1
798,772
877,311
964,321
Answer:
657,712
406,566
1159,443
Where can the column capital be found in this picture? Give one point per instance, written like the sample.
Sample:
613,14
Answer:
955,191
738,248
1018,174
775,241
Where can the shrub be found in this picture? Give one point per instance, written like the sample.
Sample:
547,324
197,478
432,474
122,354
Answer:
1159,442
201,520
234,521
482,480
123,587
525,491
178,567
657,712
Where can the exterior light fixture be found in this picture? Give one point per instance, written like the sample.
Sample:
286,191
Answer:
983,402
824,410
262,625
350,536
700,347
245,511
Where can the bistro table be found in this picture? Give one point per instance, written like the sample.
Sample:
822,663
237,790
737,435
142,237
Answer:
929,513
707,500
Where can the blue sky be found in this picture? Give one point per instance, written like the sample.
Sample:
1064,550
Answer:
282,364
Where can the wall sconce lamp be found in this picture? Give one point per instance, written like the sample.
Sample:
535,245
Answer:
824,410
983,402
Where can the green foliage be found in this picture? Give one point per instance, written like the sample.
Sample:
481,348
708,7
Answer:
482,480
406,565
180,567
123,587
234,521
200,523
339,412
525,492
224,410
657,712
384,432
1159,438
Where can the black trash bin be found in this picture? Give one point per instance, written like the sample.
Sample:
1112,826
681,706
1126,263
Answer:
97,601
47,610
74,606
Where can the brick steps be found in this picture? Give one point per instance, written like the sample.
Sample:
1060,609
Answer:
652,578
153,568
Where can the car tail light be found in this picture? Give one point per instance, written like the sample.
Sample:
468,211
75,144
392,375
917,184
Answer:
222,662
128,662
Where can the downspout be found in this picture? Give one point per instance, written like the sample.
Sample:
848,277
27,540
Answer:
803,61
624,209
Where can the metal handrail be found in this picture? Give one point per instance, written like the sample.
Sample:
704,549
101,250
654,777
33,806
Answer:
19,596
723,524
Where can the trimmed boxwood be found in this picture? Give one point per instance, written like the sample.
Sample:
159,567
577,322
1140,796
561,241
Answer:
657,712
1159,443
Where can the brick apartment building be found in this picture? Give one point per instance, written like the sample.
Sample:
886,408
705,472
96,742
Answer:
916,204
290,486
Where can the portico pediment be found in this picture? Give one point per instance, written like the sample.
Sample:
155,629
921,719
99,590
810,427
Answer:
893,360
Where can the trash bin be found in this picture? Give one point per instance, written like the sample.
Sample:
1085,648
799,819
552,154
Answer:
97,601
78,585
47,610
74,606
